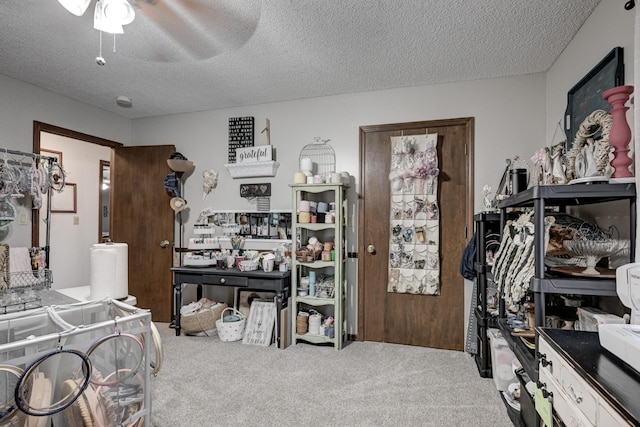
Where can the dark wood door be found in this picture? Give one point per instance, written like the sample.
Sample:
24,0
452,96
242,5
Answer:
142,218
430,321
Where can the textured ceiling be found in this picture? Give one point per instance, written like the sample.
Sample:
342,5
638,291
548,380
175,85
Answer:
192,55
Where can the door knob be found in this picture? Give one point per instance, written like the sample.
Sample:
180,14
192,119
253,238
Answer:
164,243
371,249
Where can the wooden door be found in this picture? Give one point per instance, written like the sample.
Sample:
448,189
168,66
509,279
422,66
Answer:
142,218
430,321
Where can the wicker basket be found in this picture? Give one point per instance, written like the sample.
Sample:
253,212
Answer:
231,331
203,321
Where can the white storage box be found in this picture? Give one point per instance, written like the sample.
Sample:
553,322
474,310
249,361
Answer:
501,360
591,317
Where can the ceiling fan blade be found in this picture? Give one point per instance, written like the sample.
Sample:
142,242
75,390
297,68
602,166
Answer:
179,30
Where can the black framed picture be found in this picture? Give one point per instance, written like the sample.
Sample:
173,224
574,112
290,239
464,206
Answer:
586,96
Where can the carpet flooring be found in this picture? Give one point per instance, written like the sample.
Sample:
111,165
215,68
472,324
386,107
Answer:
207,382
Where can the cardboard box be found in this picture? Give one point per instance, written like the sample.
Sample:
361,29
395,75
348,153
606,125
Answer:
591,317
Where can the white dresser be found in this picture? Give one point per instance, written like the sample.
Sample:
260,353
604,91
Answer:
587,385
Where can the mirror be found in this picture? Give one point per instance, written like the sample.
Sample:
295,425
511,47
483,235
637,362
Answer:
105,209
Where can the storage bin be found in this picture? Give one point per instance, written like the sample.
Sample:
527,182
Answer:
501,360
591,317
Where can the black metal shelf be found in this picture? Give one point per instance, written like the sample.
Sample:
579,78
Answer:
570,195
574,285
486,321
485,223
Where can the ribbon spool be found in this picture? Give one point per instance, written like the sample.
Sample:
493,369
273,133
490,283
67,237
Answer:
314,324
302,323
313,206
328,218
299,178
304,217
323,207
304,206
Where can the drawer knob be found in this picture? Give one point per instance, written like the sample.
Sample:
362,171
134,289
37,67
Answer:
576,396
543,388
544,362
222,280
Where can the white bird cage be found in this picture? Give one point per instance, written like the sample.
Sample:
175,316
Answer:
322,156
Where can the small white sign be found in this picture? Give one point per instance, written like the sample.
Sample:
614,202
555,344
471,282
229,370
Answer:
263,153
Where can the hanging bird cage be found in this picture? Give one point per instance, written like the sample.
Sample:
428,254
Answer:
322,156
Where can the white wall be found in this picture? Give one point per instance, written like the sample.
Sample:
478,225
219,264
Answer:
509,116
22,103
72,234
509,120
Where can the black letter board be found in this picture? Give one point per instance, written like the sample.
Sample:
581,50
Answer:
240,135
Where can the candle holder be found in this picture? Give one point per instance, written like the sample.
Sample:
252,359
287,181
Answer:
620,134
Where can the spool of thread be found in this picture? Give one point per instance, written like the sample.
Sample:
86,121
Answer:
321,217
304,217
304,206
314,324
328,218
306,165
328,246
323,207
299,178
326,255
314,219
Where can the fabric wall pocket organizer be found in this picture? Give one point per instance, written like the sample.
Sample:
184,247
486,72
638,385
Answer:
414,216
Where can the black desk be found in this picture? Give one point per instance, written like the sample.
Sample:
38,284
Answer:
274,281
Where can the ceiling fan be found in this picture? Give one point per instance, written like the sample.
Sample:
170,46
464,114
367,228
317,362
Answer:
174,31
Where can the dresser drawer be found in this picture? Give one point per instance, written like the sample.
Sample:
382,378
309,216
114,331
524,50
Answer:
567,411
562,405
582,396
549,360
218,279
607,417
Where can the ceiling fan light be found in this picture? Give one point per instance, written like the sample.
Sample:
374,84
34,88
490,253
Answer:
101,23
119,11
77,7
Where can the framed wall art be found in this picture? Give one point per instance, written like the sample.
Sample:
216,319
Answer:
586,96
66,200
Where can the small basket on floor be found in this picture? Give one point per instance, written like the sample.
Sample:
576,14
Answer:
203,321
233,328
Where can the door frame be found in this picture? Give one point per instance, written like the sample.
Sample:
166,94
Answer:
469,123
38,128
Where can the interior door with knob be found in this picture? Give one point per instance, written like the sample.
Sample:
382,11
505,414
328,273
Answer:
406,318
142,218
